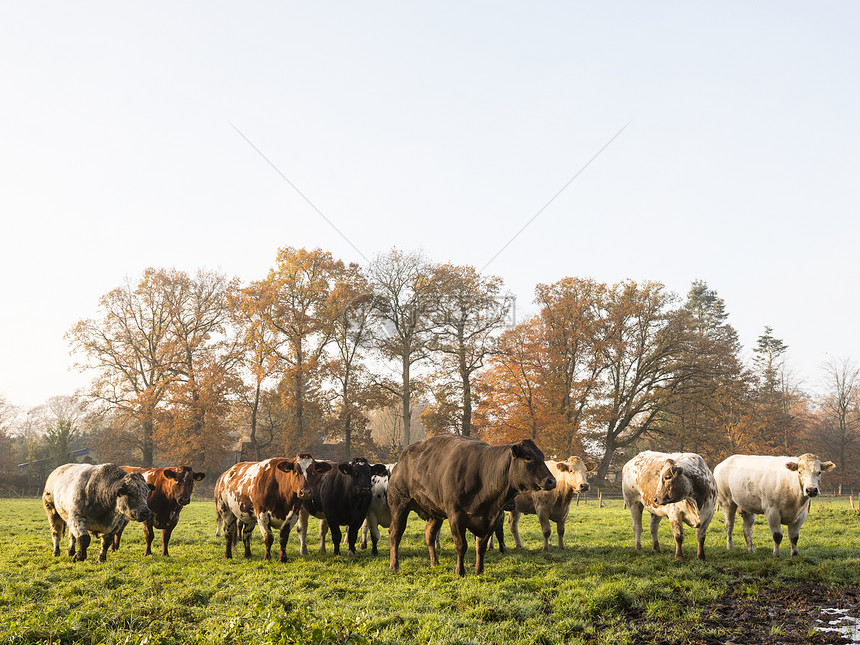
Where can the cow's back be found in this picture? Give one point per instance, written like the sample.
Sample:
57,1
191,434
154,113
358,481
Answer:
756,483
85,490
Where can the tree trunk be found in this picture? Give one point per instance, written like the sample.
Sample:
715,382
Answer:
253,437
603,468
148,447
466,430
405,397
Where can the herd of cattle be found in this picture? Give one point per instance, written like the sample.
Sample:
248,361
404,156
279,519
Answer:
466,481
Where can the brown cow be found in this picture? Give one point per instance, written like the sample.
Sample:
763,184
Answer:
571,478
172,492
464,480
269,493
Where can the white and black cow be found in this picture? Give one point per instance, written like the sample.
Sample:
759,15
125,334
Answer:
341,498
378,513
779,487
467,481
92,499
677,485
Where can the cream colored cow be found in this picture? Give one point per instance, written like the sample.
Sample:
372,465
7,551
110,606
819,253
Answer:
779,487
571,479
676,485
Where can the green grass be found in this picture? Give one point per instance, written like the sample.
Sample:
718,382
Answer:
585,594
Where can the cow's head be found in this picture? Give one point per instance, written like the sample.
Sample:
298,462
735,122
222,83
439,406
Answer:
306,470
529,471
360,471
131,493
574,473
672,484
181,483
809,468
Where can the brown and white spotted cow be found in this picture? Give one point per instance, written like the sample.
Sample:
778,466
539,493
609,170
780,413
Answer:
779,487
677,485
571,478
268,492
92,499
173,489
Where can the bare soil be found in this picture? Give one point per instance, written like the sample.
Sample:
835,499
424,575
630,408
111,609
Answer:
772,617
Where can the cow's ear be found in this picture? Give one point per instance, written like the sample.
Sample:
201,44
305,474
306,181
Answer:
676,471
791,465
591,466
520,451
198,476
123,490
827,466
170,473
286,466
345,468
151,487
379,469
562,467
322,466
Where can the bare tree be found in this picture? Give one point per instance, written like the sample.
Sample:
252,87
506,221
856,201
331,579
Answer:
840,406
405,297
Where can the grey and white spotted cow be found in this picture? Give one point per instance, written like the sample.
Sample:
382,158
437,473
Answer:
779,487
676,485
92,499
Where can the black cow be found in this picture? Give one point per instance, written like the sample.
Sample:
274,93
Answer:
340,498
467,481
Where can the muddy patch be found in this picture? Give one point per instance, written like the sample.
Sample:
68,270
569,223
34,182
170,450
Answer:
810,613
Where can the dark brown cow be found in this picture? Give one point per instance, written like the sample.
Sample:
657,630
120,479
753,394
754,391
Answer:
467,481
172,492
269,493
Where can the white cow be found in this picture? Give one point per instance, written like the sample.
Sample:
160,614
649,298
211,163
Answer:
779,487
676,485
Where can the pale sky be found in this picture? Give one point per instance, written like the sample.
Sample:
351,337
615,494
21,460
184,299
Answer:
441,126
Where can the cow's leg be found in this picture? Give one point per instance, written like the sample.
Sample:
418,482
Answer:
247,534
458,533
500,533
636,515
399,515
481,548
352,537
264,521
364,531
165,538
117,536
729,510
701,533
559,528
654,525
749,519
678,531
78,531
374,536
107,540
323,530
284,535
303,531
58,527
794,532
514,525
774,522
148,535
230,527
431,535
336,535
546,529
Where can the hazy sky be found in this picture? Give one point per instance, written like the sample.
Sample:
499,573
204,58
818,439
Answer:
441,126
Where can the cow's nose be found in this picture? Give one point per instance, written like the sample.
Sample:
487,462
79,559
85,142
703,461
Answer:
145,514
584,487
364,491
549,484
184,501
812,491
305,493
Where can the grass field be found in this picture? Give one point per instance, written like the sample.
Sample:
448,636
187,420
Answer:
598,590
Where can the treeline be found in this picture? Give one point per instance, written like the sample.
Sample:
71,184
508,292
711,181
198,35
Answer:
326,356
